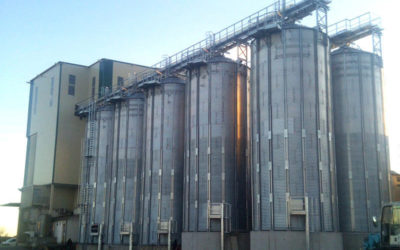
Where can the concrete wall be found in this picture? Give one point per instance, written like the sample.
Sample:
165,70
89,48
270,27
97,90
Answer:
212,241
353,240
66,228
273,240
28,219
120,247
64,197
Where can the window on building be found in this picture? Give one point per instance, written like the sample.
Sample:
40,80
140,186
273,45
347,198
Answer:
35,100
51,92
398,178
93,86
120,81
71,85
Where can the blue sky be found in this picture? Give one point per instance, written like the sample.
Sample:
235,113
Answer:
36,34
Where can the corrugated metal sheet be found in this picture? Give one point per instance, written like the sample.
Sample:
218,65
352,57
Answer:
291,134
215,167
163,159
361,150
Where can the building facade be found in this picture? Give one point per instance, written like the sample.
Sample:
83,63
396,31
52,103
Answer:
49,196
395,186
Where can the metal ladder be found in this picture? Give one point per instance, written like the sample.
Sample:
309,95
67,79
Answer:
87,189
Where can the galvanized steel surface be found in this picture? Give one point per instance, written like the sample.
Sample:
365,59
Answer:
361,146
161,193
99,137
292,154
110,180
215,135
125,175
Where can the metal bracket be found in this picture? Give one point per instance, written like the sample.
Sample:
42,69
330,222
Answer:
377,43
321,13
242,52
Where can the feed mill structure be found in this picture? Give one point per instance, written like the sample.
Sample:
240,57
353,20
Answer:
170,165
361,144
292,149
162,169
111,185
215,169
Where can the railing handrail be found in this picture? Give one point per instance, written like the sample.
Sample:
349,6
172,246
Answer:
353,24
270,13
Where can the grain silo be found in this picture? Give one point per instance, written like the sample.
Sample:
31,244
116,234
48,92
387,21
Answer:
215,135
95,173
292,150
361,144
125,174
161,208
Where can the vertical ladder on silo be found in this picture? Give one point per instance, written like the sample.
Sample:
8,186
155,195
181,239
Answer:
86,189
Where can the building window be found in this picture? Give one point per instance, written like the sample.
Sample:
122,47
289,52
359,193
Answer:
35,100
120,81
51,92
71,85
93,86
398,178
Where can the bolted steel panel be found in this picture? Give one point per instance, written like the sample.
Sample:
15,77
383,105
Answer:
291,130
215,166
163,164
360,138
128,136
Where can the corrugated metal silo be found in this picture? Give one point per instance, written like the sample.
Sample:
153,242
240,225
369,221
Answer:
125,175
97,173
292,150
215,134
163,161
86,195
361,145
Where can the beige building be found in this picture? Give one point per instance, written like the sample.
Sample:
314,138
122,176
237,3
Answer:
54,138
395,186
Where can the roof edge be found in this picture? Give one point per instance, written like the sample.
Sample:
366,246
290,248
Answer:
133,64
54,65
80,65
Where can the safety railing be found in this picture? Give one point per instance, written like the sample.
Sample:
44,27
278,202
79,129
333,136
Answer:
199,48
214,39
357,23
238,30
